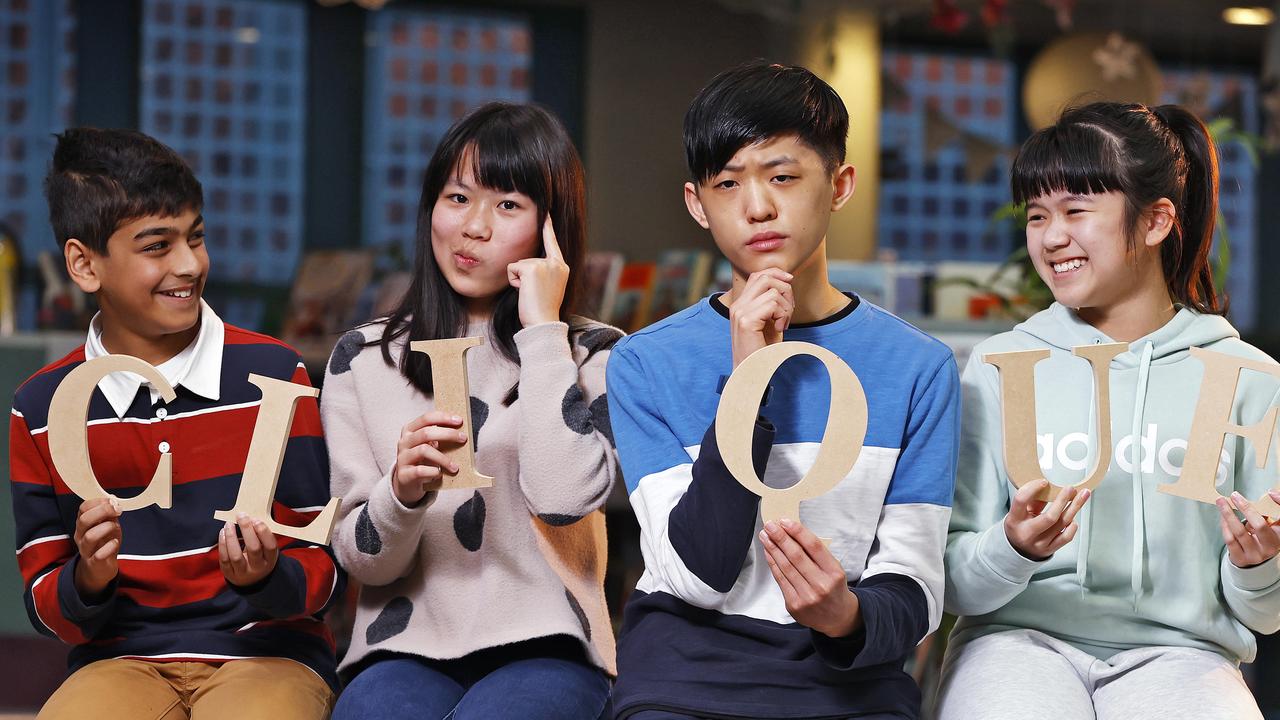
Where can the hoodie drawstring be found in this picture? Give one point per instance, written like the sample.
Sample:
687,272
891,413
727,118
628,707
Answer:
1138,563
1086,525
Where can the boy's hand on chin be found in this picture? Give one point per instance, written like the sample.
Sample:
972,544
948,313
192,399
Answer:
248,558
760,312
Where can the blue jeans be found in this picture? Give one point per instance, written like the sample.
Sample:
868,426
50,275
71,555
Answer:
537,680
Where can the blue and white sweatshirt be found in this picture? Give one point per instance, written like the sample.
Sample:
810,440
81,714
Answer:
707,631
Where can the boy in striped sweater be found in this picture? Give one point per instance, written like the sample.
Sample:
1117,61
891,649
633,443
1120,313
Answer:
172,614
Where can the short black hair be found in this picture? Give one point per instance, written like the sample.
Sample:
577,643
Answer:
758,100
101,179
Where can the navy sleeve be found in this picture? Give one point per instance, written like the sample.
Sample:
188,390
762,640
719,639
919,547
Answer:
894,618
90,617
713,525
278,594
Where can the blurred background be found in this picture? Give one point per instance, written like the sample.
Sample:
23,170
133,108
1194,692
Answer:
310,122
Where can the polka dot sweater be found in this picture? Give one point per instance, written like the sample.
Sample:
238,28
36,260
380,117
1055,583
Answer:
470,569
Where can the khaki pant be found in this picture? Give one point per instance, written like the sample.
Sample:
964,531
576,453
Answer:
268,688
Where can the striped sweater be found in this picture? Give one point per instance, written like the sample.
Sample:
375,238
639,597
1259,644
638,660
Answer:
707,631
170,600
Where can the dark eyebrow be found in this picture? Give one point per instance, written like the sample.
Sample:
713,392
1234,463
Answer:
159,230
1066,199
166,230
783,160
773,163
458,181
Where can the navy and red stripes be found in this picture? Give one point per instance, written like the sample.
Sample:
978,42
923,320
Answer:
169,573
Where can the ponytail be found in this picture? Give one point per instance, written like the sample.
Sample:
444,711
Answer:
1186,261
1145,154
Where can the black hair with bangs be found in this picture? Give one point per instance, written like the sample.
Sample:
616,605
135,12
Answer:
512,148
1144,153
756,101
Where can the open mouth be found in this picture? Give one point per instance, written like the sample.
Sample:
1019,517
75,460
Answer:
180,293
1067,266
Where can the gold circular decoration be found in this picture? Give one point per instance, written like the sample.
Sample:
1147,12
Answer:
1088,67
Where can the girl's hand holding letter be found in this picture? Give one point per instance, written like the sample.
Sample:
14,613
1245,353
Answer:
420,464
1253,541
1037,529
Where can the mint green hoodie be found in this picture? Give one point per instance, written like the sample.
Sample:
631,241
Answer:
1145,568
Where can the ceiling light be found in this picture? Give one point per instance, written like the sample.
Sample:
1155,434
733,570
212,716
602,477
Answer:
1248,16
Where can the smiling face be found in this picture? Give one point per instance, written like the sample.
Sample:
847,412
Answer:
1077,243
148,283
771,204
476,232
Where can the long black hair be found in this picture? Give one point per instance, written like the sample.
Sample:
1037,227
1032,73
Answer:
512,148
1144,153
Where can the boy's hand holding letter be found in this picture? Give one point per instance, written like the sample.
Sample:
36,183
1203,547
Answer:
98,540
249,558
813,583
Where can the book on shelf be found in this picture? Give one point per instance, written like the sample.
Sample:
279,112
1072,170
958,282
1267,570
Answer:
325,293
600,275
682,276
634,296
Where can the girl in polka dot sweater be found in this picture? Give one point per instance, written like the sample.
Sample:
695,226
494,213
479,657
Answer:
483,603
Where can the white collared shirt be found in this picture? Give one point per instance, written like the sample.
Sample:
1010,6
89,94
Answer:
198,367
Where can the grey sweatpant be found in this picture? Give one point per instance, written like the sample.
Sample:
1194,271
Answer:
1027,675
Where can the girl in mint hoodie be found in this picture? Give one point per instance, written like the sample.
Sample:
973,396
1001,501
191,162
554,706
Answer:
1123,602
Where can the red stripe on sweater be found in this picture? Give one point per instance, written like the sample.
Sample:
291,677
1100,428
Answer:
208,445
301,377
306,418
36,558
317,564
26,458
172,581
49,609
234,335
286,515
